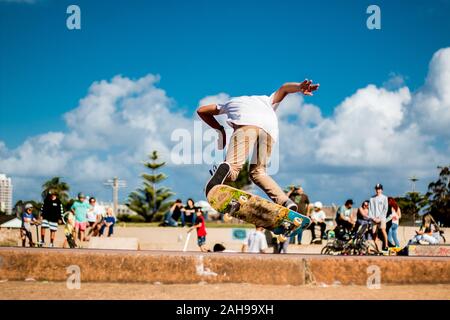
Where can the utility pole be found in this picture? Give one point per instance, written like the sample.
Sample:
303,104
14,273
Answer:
413,179
115,183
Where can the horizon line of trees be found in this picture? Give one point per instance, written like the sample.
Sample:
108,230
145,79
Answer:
152,200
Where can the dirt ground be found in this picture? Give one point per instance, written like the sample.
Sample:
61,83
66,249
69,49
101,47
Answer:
113,291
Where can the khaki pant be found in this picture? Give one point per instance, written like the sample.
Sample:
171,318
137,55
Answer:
244,140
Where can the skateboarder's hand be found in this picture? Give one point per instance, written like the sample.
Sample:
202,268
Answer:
307,87
222,139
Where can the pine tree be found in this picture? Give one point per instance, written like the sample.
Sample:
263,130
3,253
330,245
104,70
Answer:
151,201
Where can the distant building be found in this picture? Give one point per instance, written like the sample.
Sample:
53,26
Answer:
121,210
6,192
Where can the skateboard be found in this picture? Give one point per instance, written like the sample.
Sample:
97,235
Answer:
256,210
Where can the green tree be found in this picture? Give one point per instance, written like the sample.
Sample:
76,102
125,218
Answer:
60,187
243,181
439,197
411,204
151,201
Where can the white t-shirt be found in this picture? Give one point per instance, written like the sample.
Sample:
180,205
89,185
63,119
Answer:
94,212
256,242
318,215
258,111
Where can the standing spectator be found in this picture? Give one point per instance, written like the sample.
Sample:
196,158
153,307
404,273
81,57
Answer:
378,208
80,209
69,230
201,231
95,217
395,217
27,220
301,199
317,219
51,212
188,217
256,241
345,217
108,222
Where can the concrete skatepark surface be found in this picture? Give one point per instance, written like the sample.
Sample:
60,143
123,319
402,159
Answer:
202,291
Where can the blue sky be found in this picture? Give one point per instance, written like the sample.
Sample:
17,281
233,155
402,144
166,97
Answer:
202,48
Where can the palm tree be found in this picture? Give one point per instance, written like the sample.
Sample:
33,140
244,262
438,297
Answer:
57,185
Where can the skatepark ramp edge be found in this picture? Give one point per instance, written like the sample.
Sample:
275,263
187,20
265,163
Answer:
174,267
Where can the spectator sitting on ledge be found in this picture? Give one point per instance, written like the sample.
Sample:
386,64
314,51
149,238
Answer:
109,223
429,232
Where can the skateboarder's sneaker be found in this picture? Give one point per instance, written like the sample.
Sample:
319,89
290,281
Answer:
218,176
290,205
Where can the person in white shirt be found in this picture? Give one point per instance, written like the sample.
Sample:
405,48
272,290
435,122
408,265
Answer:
317,219
95,216
256,241
255,125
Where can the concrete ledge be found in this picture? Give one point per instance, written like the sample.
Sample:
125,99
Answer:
178,267
429,250
114,243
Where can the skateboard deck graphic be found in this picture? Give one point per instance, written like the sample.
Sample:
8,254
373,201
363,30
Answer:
256,210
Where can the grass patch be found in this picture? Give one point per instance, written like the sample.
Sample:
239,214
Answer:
209,224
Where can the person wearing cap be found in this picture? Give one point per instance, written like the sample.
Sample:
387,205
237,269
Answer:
80,209
345,216
301,199
51,212
27,220
317,219
378,209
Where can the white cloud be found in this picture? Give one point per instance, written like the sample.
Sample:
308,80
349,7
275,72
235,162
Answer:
376,134
431,104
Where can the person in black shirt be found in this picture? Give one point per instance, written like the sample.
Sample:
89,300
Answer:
175,213
189,215
51,212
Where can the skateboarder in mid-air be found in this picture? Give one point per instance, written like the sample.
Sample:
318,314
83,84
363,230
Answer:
255,125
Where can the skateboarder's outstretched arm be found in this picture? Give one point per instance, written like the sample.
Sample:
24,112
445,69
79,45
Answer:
207,113
306,87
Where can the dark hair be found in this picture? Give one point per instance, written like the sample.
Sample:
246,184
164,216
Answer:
92,198
190,199
349,201
218,247
365,201
178,201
